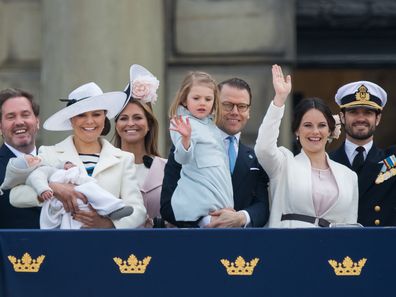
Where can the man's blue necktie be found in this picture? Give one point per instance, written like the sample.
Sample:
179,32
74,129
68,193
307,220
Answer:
231,152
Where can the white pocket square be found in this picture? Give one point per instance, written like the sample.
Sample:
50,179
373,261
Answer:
254,168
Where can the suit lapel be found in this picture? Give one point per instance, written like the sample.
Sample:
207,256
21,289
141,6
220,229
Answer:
67,152
301,174
341,157
154,177
109,156
242,165
370,170
339,177
6,152
5,155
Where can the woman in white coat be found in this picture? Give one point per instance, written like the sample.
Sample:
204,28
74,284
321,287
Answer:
308,189
87,114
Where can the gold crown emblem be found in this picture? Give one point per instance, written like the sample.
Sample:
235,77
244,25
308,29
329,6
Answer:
240,267
26,264
132,265
348,267
362,94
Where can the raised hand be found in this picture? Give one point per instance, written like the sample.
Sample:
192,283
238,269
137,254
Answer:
184,128
282,86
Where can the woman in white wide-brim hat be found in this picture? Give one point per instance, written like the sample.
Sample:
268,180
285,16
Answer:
136,131
87,114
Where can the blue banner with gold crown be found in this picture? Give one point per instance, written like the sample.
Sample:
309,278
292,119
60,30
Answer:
232,262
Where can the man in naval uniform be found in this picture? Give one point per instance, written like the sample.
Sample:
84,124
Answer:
361,105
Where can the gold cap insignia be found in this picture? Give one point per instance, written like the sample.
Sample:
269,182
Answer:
362,94
132,265
26,264
240,267
348,267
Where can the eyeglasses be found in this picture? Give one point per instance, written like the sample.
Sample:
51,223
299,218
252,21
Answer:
228,106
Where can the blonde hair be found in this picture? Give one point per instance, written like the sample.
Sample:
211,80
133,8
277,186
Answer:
191,79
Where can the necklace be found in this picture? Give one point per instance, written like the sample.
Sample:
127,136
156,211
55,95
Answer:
321,173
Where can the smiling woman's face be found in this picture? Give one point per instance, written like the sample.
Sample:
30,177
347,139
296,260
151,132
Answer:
132,124
313,131
88,126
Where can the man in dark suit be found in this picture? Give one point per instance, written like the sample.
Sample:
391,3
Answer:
19,124
361,105
248,178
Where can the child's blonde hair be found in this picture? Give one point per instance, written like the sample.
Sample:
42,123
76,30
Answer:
191,79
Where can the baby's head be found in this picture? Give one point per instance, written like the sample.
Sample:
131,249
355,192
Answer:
32,160
68,165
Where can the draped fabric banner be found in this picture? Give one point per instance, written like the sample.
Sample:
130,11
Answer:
191,262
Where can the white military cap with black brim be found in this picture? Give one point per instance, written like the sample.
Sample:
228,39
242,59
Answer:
88,97
361,94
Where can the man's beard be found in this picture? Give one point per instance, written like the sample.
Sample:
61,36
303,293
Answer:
360,135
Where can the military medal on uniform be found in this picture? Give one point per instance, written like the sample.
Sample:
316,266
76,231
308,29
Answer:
388,169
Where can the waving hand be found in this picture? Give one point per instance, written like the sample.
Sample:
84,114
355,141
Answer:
282,86
184,128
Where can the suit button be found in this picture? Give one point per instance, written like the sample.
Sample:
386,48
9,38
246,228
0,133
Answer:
377,222
377,208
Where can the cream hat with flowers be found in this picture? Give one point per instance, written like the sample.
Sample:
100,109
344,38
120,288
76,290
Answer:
144,84
87,97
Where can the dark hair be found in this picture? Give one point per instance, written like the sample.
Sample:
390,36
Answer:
13,93
107,127
312,103
237,83
151,138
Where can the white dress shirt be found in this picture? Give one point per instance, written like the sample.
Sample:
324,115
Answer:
350,149
20,154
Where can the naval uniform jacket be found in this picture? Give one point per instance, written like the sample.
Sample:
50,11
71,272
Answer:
291,181
377,202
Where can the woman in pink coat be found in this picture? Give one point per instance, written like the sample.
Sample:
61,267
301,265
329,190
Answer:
137,132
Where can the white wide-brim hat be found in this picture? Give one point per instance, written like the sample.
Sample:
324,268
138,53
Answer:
87,97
